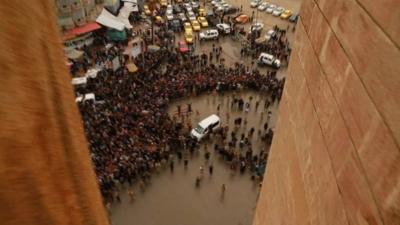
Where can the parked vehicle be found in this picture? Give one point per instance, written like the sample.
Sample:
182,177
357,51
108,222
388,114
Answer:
203,22
256,27
270,34
182,47
177,9
230,10
159,20
182,17
163,3
175,24
213,21
218,8
293,18
278,11
263,6
255,3
269,60
242,18
187,27
270,9
188,7
169,8
214,2
196,25
286,14
205,126
169,16
209,35
191,16
189,37
202,12
195,5
146,10
223,28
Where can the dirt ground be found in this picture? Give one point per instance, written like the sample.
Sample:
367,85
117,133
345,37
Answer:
172,198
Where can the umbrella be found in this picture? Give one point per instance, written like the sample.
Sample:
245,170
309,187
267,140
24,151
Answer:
131,67
74,54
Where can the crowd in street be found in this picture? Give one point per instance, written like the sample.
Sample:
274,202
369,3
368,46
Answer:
129,131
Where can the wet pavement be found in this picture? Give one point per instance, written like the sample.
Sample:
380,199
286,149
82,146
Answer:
172,198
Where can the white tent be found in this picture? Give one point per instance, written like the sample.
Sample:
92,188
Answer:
125,11
109,20
85,97
79,80
92,73
132,3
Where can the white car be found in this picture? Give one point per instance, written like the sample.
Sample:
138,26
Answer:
270,34
169,8
270,9
263,6
182,17
215,2
188,7
170,16
224,28
191,16
269,60
195,4
220,9
255,3
278,11
209,35
203,128
256,27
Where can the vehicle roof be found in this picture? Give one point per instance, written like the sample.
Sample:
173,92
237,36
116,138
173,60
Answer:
223,25
266,55
209,120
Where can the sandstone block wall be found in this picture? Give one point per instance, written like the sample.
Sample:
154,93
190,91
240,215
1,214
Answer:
335,157
46,176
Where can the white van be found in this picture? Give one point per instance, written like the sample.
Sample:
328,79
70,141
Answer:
270,60
203,128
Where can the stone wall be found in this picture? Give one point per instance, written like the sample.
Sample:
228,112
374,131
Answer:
335,157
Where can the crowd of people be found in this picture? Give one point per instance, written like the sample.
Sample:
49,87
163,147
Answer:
129,130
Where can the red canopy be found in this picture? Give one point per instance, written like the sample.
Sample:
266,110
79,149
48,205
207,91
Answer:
89,27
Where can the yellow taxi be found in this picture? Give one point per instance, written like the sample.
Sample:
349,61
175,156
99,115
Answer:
146,10
163,2
189,37
202,21
196,25
159,20
202,12
286,14
187,27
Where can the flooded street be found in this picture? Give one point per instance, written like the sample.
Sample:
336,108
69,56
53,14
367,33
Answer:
172,198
